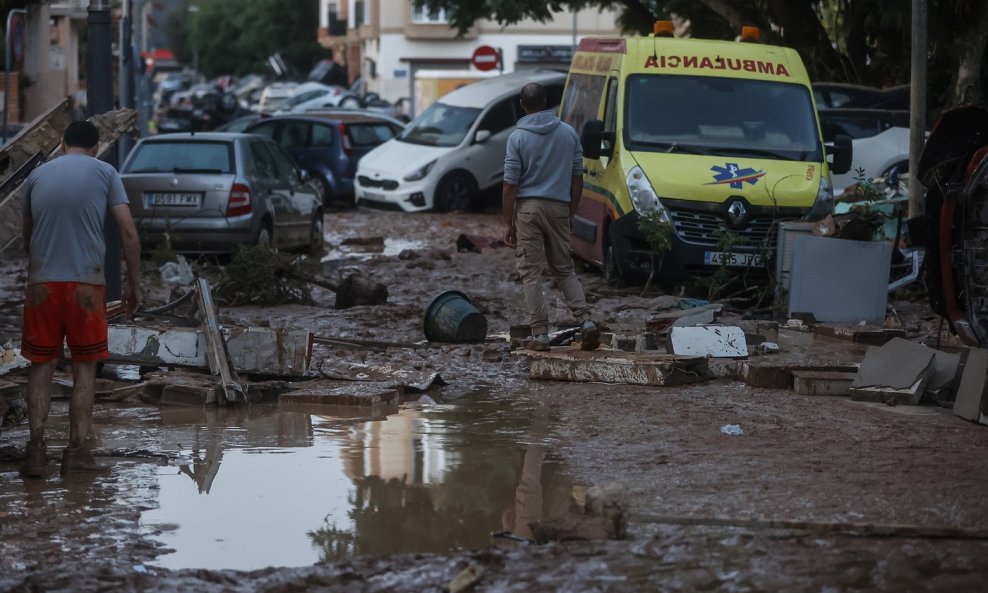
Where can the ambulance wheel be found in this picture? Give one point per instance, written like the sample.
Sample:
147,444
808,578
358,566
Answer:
613,275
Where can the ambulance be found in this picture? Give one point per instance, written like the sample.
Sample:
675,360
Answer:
719,139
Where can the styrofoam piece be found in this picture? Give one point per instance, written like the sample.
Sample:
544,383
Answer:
715,341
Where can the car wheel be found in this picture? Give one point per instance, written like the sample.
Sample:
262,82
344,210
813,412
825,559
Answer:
322,188
265,235
317,238
613,275
455,192
350,102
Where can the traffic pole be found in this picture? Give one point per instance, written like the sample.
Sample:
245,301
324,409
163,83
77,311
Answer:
99,99
917,106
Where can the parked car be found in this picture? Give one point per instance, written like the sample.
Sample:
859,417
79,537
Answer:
312,95
211,192
274,94
329,145
879,140
454,150
834,95
240,124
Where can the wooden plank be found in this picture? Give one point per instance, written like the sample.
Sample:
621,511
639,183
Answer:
616,367
216,353
342,394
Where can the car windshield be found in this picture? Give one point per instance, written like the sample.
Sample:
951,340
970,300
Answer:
440,125
721,116
181,157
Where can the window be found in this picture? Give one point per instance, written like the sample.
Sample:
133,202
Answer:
582,100
500,117
369,135
322,135
284,166
336,25
265,129
263,162
177,157
440,125
422,15
294,134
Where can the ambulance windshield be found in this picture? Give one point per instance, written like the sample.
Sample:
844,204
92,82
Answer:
713,115
440,125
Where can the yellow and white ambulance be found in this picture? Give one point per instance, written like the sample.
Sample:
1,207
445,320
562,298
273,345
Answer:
714,136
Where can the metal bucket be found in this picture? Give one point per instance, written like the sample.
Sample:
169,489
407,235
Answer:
451,317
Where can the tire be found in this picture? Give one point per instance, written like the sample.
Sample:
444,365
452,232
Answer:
350,102
613,275
321,187
317,237
265,236
457,191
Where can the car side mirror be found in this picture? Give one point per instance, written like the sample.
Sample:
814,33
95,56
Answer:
842,152
304,176
482,136
595,141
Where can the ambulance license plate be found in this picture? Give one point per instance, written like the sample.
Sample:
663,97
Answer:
741,260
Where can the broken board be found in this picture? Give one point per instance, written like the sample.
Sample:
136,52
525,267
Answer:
617,367
342,394
257,350
822,382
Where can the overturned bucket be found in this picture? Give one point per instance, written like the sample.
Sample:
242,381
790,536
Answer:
451,317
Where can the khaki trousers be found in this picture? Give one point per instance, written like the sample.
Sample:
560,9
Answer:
543,228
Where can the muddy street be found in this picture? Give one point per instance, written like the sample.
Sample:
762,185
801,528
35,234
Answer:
405,496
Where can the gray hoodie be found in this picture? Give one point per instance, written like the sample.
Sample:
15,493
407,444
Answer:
542,157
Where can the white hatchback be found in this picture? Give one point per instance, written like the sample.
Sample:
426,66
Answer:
880,141
454,149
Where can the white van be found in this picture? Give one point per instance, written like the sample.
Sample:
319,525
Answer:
454,150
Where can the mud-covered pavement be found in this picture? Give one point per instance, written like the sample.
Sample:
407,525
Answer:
404,499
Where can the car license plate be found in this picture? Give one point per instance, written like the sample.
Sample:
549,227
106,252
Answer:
369,195
174,199
718,258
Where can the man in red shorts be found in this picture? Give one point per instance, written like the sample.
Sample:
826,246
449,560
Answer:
64,210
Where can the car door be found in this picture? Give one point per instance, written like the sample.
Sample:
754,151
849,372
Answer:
300,201
485,159
272,192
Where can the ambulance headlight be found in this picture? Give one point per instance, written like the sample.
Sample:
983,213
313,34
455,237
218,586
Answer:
643,197
824,204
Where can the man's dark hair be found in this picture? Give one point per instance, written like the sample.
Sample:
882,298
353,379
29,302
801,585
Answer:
81,134
533,97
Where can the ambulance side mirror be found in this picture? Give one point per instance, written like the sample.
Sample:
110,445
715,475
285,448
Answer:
843,153
594,138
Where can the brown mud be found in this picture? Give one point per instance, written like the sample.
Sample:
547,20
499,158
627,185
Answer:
403,499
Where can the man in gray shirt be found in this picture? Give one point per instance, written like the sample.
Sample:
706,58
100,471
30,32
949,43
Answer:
64,210
543,183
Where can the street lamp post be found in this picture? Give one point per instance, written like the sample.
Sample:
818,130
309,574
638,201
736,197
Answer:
6,72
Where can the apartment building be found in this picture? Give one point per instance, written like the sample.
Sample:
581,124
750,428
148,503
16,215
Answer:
391,44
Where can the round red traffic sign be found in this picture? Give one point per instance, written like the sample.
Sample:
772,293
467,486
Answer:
485,57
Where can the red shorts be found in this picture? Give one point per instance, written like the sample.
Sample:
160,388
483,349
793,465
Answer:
70,311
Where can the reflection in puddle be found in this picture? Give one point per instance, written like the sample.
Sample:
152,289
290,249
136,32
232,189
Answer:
289,489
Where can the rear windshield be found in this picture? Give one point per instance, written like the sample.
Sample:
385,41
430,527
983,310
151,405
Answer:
440,125
722,116
369,134
182,157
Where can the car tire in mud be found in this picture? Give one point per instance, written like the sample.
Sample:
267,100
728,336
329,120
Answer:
321,186
456,191
265,236
317,238
613,275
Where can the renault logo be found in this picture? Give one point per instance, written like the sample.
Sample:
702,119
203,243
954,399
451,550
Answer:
736,212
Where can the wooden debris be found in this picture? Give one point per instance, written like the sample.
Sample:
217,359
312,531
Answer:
407,379
216,352
342,394
822,382
616,367
354,290
704,314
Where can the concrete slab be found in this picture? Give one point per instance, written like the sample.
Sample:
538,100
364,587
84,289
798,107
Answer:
709,340
617,367
909,396
971,398
899,364
822,382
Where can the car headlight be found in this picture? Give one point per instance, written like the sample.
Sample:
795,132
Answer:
824,204
643,197
420,172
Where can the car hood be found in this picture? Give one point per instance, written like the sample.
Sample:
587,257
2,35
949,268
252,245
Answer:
762,182
399,158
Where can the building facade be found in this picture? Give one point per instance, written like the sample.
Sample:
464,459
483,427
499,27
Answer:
393,45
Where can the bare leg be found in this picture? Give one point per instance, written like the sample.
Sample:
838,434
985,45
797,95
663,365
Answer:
81,406
39,398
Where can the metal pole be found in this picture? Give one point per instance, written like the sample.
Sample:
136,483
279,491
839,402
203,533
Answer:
99,99
573,53
6,70
124,75
917,105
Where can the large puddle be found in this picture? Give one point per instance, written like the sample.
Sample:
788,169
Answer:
269,487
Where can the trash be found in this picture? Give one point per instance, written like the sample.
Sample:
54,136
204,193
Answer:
896,372
451,317
355,290
330,393
466,578
685,317
732,430
426,400
476,243
603,518
217,355
766,348
608,366
11,360
177,273
709,340
411,380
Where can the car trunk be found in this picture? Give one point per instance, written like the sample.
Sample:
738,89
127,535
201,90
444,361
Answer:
194,194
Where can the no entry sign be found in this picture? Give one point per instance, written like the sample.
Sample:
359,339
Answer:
484,57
